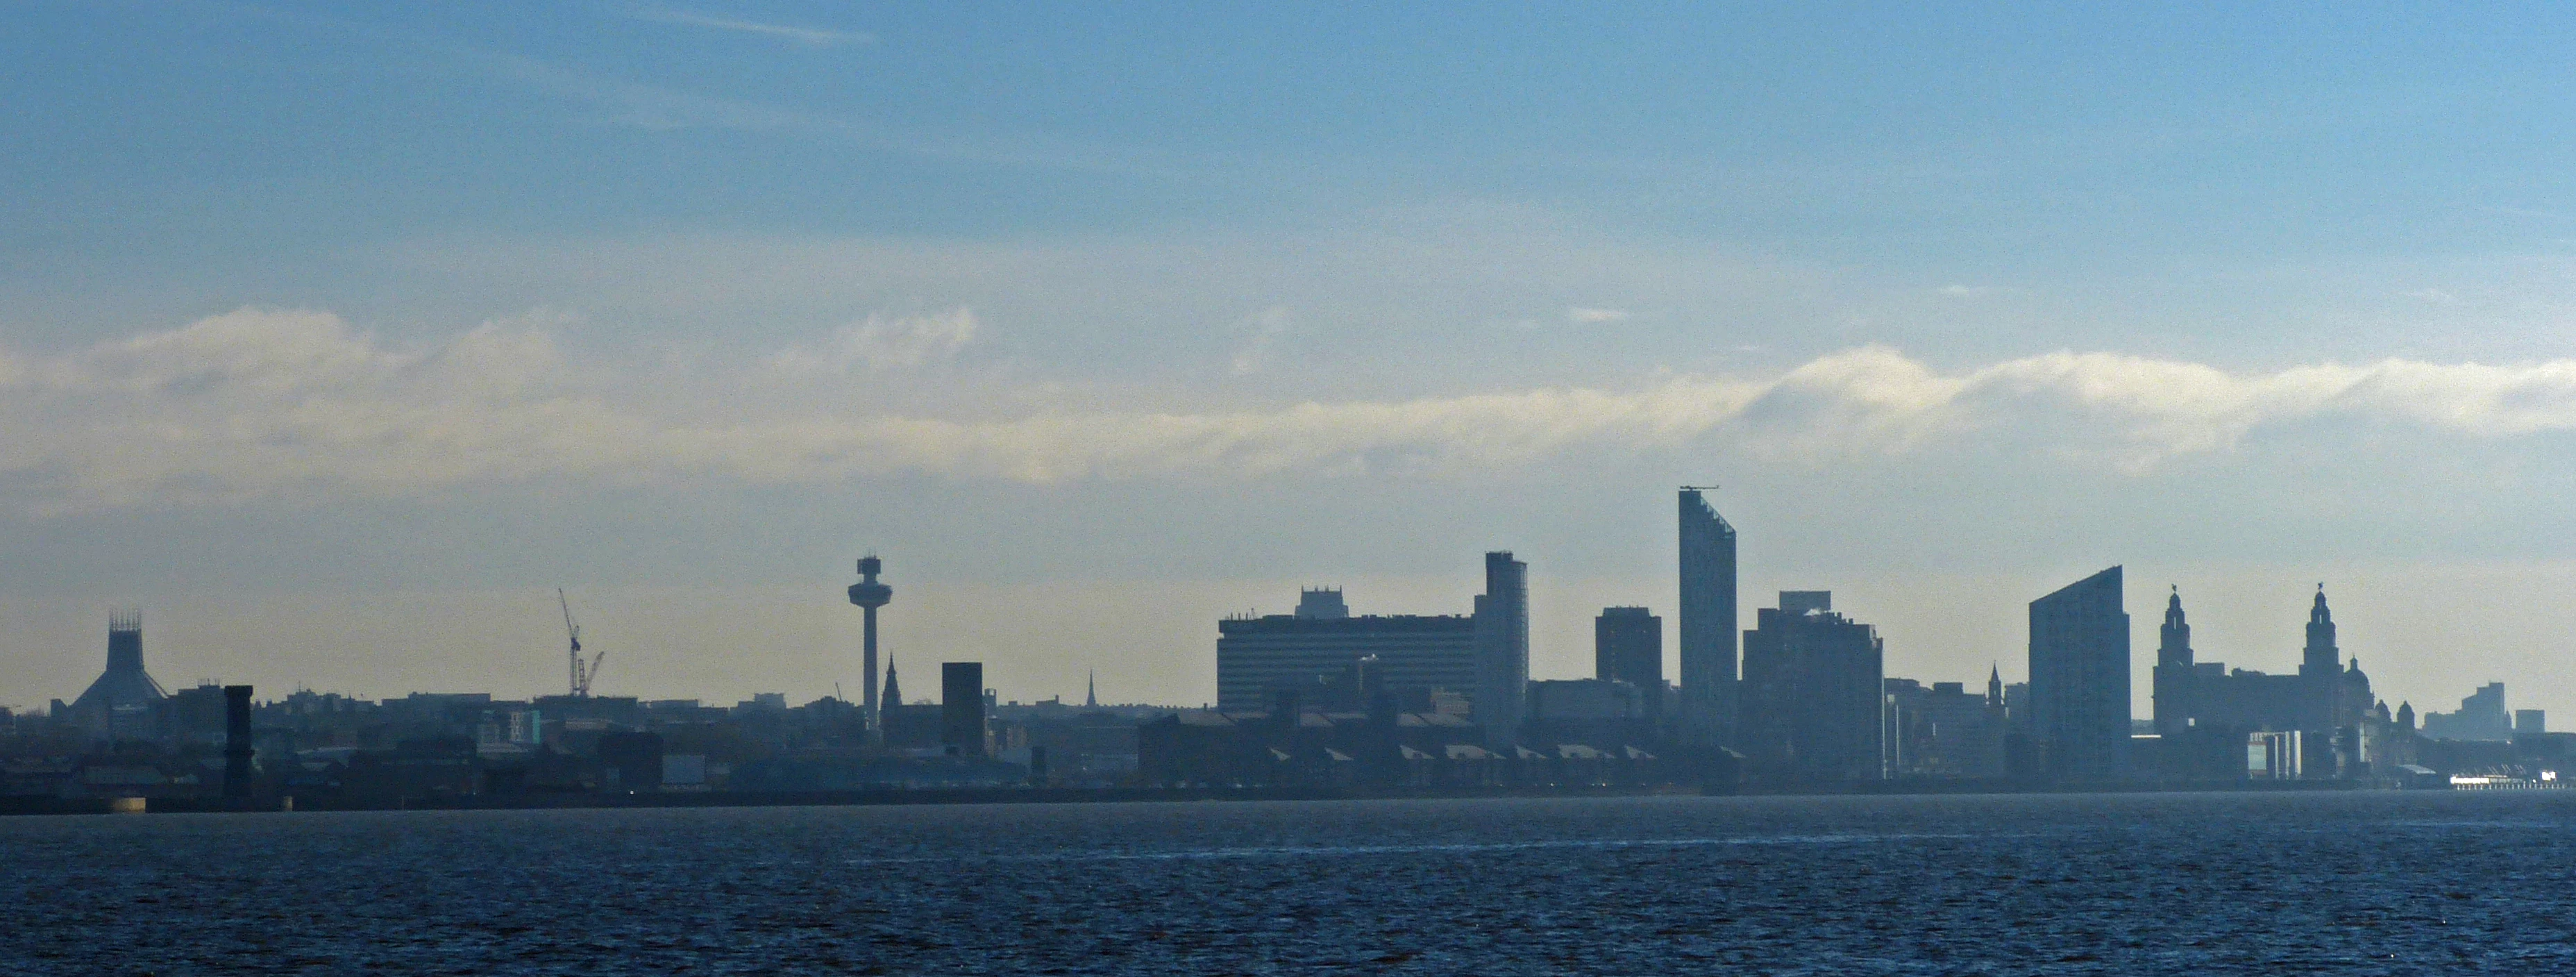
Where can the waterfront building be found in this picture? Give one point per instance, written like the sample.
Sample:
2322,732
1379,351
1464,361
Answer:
2205,711
2079,678
1811,693
1945,730
1707,625
1502,648
1628,646
961,708
1319,644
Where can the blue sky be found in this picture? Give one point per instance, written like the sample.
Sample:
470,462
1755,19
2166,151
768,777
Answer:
1158,311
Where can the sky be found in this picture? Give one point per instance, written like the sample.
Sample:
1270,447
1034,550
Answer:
337,337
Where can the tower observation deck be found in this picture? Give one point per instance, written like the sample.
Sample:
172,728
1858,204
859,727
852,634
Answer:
869,595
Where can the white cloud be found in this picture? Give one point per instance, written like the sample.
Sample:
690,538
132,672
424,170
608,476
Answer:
880,343
1967,291
1580,315
2433,295
261,403
807,36
1265,327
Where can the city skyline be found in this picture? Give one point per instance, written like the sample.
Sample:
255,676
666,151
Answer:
433,311
2141,681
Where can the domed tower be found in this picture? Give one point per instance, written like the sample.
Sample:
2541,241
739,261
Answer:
869,595
2321,667
2173,676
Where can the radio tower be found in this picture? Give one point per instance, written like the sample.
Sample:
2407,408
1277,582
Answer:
870,595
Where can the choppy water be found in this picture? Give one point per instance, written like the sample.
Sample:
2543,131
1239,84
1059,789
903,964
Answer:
2148,884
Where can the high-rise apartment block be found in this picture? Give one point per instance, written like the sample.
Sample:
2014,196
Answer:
1707,626
1810,695
1502,648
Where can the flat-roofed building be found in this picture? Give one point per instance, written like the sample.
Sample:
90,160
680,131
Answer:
1257,655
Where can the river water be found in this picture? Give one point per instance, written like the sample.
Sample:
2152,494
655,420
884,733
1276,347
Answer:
2364,883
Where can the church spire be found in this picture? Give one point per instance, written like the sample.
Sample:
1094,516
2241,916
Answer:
893,692
1994,687
1091,690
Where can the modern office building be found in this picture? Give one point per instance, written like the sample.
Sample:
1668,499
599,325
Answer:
2079,678
961,708
1258,655
1810,697
1628,645
1707,627
1502,648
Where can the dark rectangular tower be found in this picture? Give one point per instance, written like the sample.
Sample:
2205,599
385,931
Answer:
237,745
961,707
1811,693
2079,678
1707,626
1628,645
1502,648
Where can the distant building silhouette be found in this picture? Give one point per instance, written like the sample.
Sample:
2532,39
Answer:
1628,645
1258,656
869,595
1502,648
2481,717
1810,707
1945,730
2079,678
1707,625
961,708
2207,715
121,702
2174,699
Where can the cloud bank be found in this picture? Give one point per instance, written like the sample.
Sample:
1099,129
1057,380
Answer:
297,404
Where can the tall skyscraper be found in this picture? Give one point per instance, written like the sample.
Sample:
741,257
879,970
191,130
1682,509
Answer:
2173,676
1502,648
961,707
1810,706
2079,678
1707,623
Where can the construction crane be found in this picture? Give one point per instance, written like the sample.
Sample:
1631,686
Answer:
581,674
